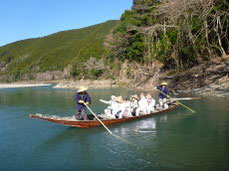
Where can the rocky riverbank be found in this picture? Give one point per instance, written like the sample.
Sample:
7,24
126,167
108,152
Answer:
208,79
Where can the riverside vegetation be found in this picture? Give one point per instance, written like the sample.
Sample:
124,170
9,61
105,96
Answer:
156,39
185,36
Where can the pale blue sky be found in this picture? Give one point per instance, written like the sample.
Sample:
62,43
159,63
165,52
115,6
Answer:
23,19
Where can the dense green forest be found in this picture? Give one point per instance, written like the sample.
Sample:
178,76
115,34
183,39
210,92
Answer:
178,33
56,52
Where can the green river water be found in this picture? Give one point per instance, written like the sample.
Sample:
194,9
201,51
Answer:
176,140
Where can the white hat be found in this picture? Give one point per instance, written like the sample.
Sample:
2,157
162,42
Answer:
113,97
82,89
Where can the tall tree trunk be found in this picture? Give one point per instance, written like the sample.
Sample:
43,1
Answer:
218,24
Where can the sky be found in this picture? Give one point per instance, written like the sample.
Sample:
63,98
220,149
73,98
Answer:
23,19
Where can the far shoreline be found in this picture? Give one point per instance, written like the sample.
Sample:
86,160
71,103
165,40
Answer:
60,84
21,85
100,84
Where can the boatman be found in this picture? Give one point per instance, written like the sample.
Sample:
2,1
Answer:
82,98
163,95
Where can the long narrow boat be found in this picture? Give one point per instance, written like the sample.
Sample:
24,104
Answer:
69,121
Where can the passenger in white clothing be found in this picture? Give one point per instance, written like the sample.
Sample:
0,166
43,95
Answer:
134,104
127,108
150,103
142,105
110,111
119,108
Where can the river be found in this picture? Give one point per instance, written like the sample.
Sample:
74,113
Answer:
177,140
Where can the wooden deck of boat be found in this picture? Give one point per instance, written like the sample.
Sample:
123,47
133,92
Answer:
94,123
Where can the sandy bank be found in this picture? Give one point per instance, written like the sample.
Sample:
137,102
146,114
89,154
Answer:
69,84
21,85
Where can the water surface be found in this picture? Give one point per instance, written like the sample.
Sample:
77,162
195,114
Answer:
176,140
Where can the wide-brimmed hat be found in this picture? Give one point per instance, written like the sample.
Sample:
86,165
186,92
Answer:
120,99
135,96
164,83
82,89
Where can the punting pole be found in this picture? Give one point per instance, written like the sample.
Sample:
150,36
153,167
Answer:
124,140
177,101
98,119
188,98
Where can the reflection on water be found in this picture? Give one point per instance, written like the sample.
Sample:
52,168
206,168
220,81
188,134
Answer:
163,118
147,126
176,140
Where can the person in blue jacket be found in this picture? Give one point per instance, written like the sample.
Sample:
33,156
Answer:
162,96
82,98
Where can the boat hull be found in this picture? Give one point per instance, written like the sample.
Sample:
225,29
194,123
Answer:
95,123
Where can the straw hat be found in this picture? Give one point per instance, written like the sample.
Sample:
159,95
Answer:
120,99
135,96
82,89
164,83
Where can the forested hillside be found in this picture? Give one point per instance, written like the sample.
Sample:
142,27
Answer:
66,50
178,33
165,39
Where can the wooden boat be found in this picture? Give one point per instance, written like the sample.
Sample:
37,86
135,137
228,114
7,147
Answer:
69,121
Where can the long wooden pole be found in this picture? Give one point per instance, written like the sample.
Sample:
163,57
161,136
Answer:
122,139
176,101
188,98
98,119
